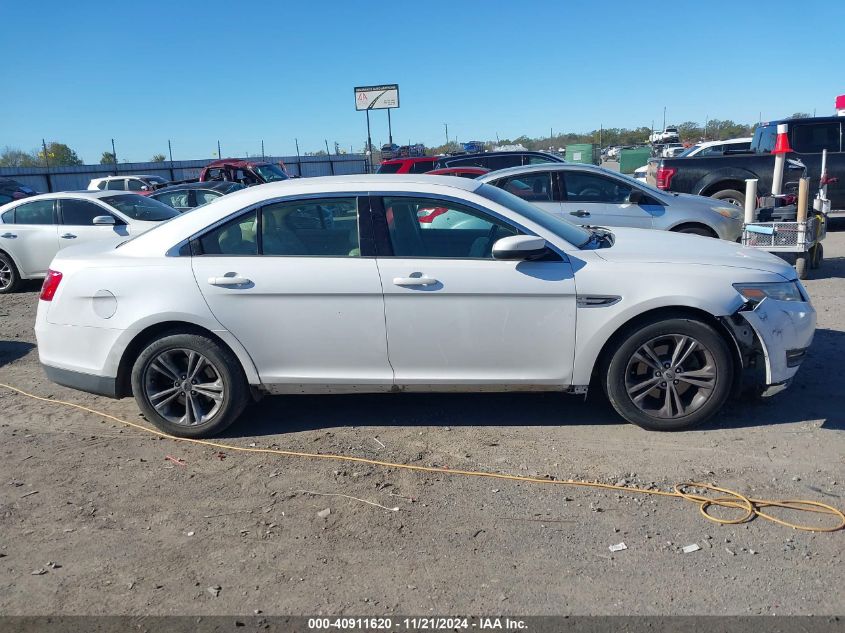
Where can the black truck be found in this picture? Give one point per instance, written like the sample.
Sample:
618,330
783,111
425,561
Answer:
724,176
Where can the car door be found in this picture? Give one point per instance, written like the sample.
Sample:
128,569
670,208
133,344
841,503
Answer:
289,281
590,197
116,184
540,188
30,235
76,220
456,316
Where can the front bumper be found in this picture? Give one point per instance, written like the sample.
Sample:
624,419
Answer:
785,330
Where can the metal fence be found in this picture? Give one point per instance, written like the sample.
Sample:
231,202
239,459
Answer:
48,179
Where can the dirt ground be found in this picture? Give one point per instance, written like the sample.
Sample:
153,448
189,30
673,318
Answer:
95,519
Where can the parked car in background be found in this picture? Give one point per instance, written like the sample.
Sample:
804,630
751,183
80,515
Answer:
245,172
463,172
13,190
34,229
497,160
641,174
410,165
248,297
189,195
141,184
723,176
717,148
672,149
592,195
668,135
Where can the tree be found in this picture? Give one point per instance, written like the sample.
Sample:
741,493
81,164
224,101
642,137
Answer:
107,158
58,155
158,158
14,157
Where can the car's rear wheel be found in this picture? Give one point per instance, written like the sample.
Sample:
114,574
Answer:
669,374
189,385
10,278
696,230
731,196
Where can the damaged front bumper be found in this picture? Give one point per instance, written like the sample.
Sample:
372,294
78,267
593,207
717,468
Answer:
782,332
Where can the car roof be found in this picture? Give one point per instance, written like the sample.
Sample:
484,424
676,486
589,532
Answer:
745,139
205,184
409,159
83,194
237,162
127,176
525,169
174,231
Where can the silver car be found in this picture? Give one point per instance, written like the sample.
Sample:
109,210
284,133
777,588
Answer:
597,196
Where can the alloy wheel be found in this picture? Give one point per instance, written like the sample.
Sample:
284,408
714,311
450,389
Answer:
5,274
184,387
671,376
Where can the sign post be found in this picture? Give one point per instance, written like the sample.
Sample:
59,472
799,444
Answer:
383,97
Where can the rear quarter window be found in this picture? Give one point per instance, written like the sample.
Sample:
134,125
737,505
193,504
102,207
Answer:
812,138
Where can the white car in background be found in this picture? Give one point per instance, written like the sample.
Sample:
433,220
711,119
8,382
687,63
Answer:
670,150
258,294
717,148
588,194
140,183
33,230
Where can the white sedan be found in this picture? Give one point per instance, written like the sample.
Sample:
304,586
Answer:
33,230
330,285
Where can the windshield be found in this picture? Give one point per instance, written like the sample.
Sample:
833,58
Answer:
572,233
140,208
270,173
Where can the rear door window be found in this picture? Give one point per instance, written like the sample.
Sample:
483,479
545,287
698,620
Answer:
134,184
37,212
812,138
587,187
322,228
117,184
533,187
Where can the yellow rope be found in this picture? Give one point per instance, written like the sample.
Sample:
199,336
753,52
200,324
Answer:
751,507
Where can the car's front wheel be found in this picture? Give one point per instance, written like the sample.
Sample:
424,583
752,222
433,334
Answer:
189,385
669,374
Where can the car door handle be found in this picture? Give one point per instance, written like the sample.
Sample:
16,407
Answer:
580,213
414,281
9,236
228,281
68,236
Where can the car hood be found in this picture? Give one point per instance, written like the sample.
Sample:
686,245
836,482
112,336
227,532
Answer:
642,246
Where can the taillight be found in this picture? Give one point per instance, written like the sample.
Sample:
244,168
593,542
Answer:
50,285
664,177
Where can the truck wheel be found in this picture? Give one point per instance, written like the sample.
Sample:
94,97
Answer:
732,196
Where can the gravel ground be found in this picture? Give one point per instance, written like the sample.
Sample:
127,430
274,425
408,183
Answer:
95,519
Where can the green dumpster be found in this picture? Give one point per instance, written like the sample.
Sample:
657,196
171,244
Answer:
630,159
582,153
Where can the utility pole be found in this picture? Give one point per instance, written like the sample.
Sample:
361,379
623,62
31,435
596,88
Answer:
114,156
219,155
389,128
369,145
664,118
447,132
47,165
262,149
170,151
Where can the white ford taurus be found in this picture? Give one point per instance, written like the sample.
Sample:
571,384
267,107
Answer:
329,285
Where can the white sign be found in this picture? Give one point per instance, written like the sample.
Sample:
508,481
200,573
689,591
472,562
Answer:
377,97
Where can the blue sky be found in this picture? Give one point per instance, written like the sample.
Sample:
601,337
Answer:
195,72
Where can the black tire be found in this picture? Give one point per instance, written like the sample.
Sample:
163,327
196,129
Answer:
712,356
696,230
10,278
734,197
222,366
802,265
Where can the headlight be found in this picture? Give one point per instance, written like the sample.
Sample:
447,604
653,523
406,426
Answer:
727,212
779,291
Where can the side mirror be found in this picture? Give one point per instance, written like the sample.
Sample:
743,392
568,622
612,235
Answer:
104,220
636,196
519,247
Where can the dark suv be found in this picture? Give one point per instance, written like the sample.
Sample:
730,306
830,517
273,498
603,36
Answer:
497,160
13,190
